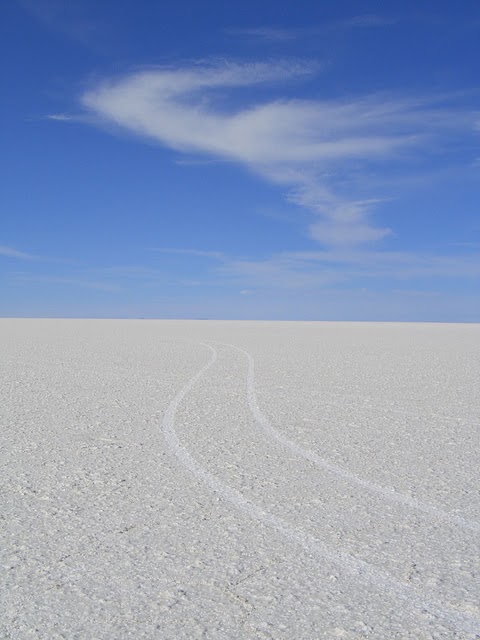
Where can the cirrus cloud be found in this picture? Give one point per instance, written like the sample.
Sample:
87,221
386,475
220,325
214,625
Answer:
10,252
309,147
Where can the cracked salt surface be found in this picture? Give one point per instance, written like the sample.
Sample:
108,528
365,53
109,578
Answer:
185,479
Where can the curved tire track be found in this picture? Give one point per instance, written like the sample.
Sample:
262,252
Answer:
389,494
358,568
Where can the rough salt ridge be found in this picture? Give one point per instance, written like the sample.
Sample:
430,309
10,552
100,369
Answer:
201,479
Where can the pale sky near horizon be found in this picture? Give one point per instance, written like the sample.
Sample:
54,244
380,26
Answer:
260,160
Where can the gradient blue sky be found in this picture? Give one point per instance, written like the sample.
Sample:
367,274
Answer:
266,160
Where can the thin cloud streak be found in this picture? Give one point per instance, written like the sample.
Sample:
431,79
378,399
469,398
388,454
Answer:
308,147
267,34
60,117
215,255
60,280
312,269
270,34
309,270
365,21
10,252
305,273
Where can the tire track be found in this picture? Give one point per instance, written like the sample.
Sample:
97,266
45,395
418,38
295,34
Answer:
354,566
390,494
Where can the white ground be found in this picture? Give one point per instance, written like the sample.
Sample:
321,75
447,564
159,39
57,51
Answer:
298,480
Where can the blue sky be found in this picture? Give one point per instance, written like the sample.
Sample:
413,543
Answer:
261,160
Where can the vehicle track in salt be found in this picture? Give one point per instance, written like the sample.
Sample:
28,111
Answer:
388,493
354,566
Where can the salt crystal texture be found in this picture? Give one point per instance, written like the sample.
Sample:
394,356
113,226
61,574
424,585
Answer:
207,479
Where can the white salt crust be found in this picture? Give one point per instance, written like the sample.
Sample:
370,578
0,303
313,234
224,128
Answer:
201,479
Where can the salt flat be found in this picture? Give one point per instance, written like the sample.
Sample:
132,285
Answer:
204,479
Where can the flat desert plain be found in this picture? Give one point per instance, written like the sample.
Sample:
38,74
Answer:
204,479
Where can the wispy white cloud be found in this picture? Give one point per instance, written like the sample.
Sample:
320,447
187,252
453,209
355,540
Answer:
312,271
365,20
271,34
307,269
194,162
60,117
10,252
278,273
215,255
302,270
125,271
267,34
341,222
396,264
309,147
469,245
61,280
